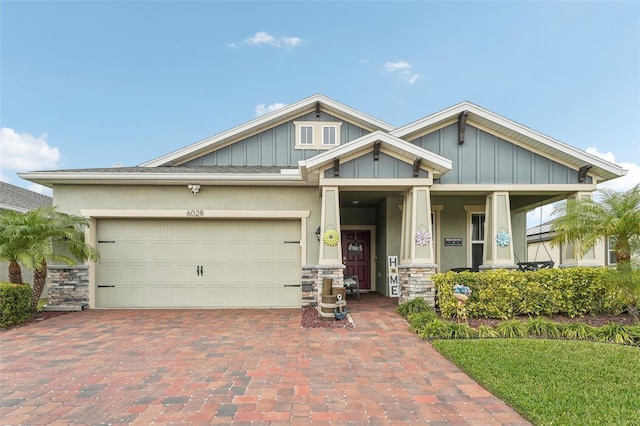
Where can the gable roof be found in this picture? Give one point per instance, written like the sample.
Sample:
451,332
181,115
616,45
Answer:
21,200
394,138
440,165
503,127
267,121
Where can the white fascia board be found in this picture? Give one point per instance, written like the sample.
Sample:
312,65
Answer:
554,144
432,119
265,121
49,178
439,163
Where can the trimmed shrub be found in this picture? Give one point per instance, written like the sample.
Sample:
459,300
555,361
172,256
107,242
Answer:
414,306
504,294
15,304
614,333
543,328
577,331
436,329
461,331
418,320
511,329
486,332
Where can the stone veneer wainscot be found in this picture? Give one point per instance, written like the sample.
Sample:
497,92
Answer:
68,285
415,281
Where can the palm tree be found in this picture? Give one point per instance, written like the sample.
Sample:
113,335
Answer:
42,235
584,221
12,248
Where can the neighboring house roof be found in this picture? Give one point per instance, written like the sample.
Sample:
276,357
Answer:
21,200
168,169
530,139
542,230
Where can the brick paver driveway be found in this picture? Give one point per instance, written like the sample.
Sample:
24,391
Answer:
233,366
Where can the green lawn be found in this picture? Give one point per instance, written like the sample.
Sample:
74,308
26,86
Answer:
555,382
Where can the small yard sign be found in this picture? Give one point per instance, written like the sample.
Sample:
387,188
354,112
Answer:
394,286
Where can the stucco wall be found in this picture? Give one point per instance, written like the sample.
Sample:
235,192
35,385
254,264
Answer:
74,199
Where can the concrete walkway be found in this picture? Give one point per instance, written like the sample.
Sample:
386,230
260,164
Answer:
234,367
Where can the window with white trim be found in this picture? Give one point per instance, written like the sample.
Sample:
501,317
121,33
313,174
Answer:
317,134
477,239
306,135
329,135
611,254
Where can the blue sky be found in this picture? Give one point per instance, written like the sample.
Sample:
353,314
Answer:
101,84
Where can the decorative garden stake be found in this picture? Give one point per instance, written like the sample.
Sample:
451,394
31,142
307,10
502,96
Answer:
503,239
422,238
462,293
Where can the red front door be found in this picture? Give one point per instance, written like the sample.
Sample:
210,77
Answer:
356,255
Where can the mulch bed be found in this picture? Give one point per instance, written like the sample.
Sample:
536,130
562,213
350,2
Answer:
311,319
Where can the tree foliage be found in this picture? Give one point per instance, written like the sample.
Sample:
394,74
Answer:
584,221
39,236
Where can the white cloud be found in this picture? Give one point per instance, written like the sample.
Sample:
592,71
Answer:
40,189
25,152
403,70
262,38
394,66
541,215
623,183
263,109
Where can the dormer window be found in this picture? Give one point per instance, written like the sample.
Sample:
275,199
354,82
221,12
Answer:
317,134
329,135
306,135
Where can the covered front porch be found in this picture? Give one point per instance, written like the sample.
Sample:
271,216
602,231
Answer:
395,238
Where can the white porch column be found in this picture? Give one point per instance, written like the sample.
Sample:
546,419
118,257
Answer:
498,236
417,259
330,251
570,255
417,235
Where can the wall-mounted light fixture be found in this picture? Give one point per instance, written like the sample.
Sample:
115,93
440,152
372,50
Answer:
318,233
194,189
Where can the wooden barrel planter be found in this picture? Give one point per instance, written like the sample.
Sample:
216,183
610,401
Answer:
327,307
327,284
335,291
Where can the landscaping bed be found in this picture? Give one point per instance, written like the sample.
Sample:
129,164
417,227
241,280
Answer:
592,320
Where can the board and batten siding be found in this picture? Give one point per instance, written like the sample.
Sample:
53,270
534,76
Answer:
487,159
274,146
386,167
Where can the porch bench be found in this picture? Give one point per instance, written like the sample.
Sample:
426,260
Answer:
534,266
352,284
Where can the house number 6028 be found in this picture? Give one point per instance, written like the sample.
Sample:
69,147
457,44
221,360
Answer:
195,213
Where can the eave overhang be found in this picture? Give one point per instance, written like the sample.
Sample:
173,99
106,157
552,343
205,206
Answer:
500,126
159,176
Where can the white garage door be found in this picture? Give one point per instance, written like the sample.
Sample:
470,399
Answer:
198,263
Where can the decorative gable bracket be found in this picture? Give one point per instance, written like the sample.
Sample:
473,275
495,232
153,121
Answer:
462,124
416,167
376,150
582,173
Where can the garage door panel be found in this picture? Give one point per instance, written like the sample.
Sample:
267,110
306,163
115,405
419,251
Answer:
155,263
